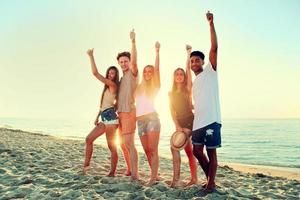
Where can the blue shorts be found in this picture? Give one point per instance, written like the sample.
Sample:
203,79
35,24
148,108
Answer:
148,123
109,116
210,136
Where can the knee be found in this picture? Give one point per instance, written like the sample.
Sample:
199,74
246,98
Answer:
123,147
88,140
128,145
197,153
112,148
151,151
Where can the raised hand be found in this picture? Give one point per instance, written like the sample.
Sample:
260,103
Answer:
188,48
210,17
157,46
132,35
90,52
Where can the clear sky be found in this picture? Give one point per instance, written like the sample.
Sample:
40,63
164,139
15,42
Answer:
45,72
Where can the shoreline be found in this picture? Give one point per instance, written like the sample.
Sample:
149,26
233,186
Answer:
37,166
274,171
268,170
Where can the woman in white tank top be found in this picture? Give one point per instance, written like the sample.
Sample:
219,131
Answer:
147,117
109,122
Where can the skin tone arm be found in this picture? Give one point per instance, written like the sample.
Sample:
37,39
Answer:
189,73
112,86
156,66
188,68
214,43
173,114
134,67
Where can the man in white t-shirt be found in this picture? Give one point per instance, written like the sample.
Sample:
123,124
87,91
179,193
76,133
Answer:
207,121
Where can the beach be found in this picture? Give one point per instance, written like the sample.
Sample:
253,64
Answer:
37,166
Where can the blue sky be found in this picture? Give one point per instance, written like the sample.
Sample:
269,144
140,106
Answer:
45,73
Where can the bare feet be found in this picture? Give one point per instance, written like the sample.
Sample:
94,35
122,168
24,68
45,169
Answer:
192,182
151,183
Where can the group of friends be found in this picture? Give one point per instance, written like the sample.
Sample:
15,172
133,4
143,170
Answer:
126,102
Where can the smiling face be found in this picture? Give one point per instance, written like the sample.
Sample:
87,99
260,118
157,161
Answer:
124,63
179,76
111,74
148,72
196,64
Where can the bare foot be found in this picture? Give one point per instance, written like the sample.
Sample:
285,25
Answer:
111,174
192,182
174,184
158,178
151,183
127,173
134,178
85,169
204,185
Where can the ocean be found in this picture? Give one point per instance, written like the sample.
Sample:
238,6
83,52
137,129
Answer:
268,142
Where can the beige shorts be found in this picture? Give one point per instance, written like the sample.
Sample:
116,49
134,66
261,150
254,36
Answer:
127,121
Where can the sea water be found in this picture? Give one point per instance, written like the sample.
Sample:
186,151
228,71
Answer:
269,142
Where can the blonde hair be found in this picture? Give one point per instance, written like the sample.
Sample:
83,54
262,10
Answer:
149,87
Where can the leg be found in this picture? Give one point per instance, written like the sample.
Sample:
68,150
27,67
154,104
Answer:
212,169
153,140
144,140
133,155
94,134
111,143
192,163
201,157
125,154
176,167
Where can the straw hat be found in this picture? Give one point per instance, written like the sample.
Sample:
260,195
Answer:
179,140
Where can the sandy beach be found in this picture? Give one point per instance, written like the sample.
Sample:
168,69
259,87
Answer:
36,166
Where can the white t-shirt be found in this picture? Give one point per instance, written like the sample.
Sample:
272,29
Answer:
206,98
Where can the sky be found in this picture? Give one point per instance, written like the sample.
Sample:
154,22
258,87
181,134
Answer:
45,71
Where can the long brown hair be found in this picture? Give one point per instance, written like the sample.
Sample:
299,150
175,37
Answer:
116,80
148,87
184,89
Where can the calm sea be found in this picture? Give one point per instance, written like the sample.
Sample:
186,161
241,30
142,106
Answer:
270,142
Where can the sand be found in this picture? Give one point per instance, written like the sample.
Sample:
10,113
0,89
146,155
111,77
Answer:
36,166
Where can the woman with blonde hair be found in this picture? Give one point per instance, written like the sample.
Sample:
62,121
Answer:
147,117
182,115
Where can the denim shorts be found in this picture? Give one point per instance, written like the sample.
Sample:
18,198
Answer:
148,123
109,116
210,136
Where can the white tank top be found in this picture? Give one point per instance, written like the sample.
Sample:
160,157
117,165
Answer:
144,105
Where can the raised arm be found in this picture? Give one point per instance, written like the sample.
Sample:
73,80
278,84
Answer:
188,69
156,65
214,43
95,72
134,67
